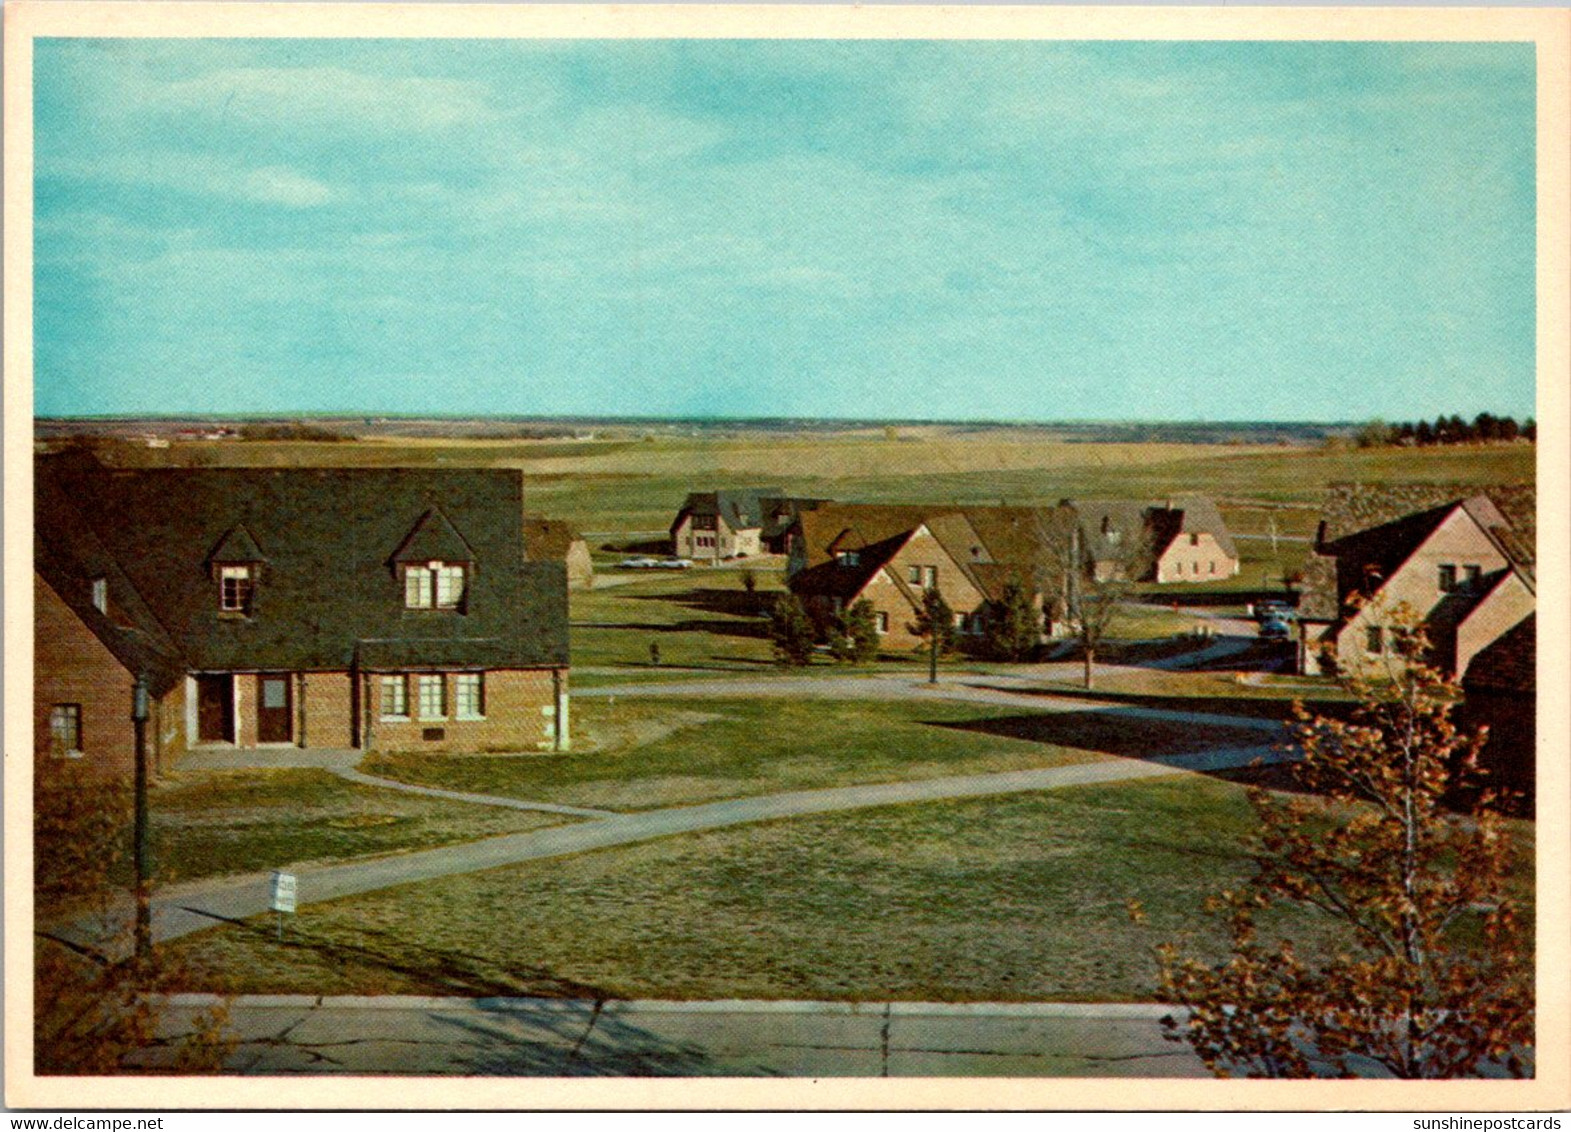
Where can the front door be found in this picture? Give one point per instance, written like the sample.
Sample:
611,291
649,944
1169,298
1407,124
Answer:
215,709
274,718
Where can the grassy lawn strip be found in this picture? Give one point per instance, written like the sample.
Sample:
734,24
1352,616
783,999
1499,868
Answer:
1015,898
230,822
730,748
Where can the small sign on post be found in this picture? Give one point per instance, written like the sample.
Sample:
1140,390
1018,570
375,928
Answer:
283,897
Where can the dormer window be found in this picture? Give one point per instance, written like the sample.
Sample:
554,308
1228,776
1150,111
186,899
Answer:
236,564
435,585
849,558
235,586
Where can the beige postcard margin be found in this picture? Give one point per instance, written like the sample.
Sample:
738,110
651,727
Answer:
1549,29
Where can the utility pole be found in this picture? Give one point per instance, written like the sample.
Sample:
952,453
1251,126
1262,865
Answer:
144,853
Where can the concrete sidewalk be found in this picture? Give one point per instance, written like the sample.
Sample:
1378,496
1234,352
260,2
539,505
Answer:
193,907
296,1034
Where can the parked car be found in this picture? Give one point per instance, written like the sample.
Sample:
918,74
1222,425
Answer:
639,563
1274,629
673,563
1274,610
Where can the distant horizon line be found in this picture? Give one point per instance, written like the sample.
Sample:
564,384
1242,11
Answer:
635,418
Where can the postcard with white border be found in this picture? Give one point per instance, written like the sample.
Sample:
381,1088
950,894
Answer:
786,557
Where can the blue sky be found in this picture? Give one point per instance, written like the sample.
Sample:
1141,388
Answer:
1017,230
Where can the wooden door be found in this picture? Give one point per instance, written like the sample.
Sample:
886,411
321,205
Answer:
215,709
274,709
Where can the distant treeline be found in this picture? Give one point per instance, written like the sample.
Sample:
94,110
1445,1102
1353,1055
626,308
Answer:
1484,428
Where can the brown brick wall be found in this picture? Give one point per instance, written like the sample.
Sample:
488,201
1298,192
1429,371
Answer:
72,666
328,709
516,716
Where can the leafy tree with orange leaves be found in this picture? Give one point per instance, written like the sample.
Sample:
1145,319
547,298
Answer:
1435,980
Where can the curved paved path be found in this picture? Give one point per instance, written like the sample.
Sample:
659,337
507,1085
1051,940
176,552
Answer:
190,908
998,690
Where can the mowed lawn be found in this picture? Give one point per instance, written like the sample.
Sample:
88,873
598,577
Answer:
647,754
1018,898
244,821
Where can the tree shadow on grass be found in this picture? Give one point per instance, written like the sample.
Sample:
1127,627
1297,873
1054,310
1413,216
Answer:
1113,733
708,599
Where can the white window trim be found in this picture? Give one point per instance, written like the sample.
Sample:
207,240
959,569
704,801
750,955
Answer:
381,686
238,572
459,713
420,683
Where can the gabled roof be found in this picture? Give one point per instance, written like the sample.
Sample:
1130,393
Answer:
1509,663
1114,529
1348,557
330,535
1192,515
548,540
69,558
237,545
434,539
994,546
740,508
842,578
851,525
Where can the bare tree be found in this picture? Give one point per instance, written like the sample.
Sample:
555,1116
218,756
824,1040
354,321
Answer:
1435,980
1080,591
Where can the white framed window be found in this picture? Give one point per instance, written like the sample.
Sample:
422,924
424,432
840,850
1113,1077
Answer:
435,585
914,575
469,695
849,558
433,695
234,589
1447,578
882,621
395,697
65,730
101,594
1471,576
929,577
449,586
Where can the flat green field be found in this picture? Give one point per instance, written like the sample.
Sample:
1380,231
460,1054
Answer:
645,754
226,822
629,484
1021,898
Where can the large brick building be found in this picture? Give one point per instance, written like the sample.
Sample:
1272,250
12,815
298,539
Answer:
333,608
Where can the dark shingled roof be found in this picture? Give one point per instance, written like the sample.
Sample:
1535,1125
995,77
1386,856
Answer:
834,578
995,546
742,508
328,579
434,539
1114,528
68,557
1509,664
1369,529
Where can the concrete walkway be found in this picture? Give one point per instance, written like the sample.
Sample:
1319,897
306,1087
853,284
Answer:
181,910
343,763
418,1036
